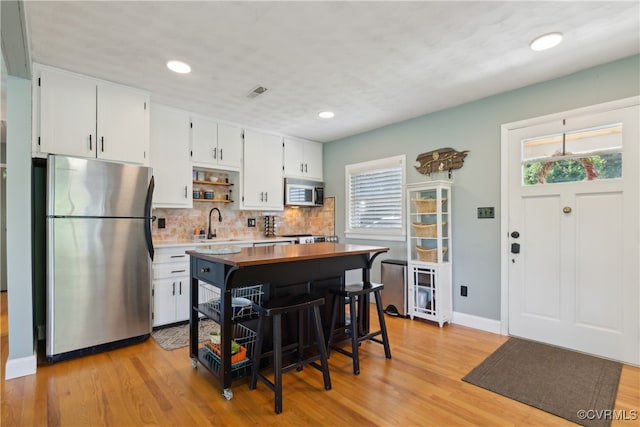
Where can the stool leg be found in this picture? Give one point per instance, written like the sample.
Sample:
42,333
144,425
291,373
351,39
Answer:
277,362
334,315
383,325
354,335
257,353
321,347
300,315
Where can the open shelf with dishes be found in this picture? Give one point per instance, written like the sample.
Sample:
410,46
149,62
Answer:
429,251
212,188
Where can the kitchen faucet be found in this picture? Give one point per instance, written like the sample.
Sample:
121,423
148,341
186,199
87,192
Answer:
211,235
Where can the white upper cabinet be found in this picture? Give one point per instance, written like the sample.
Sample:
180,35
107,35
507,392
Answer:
67,114
215,145
262,187
123,124
229,146
170,157
85,117
302,159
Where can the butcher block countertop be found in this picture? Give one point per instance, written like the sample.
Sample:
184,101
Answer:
286,253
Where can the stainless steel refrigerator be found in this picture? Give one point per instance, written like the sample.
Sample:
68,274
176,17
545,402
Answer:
99,253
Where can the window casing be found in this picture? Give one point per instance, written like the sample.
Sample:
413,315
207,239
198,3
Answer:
375,207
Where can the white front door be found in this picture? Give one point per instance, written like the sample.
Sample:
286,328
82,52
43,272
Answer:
573,224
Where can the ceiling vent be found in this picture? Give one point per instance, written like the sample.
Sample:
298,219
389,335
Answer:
258,90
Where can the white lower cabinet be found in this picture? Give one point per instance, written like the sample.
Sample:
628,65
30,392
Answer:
171,280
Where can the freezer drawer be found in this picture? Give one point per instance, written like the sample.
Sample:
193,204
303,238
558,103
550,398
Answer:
394,278
99,282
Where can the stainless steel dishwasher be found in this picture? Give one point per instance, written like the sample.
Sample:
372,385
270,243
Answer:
394,294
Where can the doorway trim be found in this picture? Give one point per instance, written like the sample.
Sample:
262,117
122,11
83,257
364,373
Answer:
504,187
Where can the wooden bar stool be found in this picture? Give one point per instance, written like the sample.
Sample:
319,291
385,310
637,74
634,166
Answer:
275,309
352,294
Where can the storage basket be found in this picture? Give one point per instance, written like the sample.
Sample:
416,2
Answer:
241,300
427,205
426,230
238,357
429,255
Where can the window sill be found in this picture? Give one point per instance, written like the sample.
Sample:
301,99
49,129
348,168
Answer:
373,236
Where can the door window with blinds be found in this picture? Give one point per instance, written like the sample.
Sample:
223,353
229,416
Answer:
375,199
576,155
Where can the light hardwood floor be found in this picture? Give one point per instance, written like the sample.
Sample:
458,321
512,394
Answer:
145,385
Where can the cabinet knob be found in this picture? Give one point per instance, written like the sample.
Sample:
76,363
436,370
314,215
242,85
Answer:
204,270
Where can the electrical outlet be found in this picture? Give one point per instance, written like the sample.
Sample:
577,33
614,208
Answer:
486,212
251,222
463,291
162,222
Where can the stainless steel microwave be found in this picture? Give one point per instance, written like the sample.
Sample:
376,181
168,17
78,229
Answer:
302,192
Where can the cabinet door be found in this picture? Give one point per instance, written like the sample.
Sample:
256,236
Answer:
313,160
182,299
303,159
164,301
170,157
204,142
262,172
123,124
67,114
229,146
293,158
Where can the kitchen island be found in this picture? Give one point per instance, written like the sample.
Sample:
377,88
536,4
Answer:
278,270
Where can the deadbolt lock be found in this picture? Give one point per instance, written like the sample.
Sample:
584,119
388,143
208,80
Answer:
566,209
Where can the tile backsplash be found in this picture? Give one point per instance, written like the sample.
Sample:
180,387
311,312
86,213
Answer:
181,224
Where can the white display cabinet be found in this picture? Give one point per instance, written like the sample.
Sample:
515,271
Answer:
429,251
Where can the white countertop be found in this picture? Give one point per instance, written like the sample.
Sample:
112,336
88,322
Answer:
218,241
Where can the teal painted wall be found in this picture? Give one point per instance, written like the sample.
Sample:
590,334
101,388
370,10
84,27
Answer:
474,126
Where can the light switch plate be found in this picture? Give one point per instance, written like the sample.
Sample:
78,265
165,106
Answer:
486,212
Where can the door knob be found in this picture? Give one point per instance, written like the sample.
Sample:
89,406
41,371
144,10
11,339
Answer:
566,209
515,234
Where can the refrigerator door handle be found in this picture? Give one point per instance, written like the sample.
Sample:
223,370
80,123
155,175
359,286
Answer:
147,218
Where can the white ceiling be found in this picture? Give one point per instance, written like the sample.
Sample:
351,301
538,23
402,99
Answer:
372,63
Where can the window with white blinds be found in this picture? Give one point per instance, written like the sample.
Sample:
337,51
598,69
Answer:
375,199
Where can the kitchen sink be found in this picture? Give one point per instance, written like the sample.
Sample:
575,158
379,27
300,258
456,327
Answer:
213,250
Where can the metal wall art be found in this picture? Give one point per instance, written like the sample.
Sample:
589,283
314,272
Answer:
440,160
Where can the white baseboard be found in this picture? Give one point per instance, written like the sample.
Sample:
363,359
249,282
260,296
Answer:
20,367
476,322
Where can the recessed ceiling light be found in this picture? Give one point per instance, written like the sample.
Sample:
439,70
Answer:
326,114
179,67
546,41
